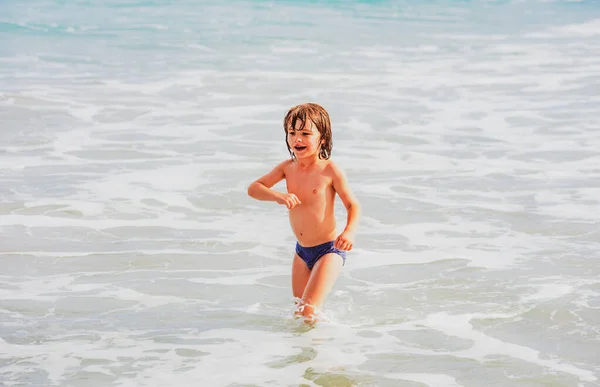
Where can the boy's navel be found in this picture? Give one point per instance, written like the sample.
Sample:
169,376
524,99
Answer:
315,191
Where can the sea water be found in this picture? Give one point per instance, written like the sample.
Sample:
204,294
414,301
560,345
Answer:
131,255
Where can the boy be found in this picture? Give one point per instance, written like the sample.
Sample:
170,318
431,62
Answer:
312,182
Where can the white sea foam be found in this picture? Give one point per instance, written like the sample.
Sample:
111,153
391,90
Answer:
484,346
548,292
588,29
431,380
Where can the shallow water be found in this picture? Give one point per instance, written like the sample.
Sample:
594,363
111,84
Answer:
132,256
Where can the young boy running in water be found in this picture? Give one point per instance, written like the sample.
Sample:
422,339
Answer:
312,182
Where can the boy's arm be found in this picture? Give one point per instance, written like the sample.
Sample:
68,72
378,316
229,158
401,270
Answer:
261,188
346,239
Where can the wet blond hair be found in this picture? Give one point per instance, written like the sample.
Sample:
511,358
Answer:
319,117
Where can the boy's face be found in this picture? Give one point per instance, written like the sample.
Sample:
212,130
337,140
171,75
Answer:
304,139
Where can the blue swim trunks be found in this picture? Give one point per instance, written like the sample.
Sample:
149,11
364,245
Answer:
311,255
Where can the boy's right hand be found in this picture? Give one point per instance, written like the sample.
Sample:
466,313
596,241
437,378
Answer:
289,200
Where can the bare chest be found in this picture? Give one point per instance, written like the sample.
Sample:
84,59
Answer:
309,187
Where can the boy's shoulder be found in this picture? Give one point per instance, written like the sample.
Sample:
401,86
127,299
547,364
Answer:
336,173
333,167
285,164
328,165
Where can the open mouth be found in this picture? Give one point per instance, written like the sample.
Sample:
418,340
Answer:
299,147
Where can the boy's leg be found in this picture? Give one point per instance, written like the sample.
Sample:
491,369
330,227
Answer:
322,278
300,276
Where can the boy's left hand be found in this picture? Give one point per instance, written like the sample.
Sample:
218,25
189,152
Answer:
344,241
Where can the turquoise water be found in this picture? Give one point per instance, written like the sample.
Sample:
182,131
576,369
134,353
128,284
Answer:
132,256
